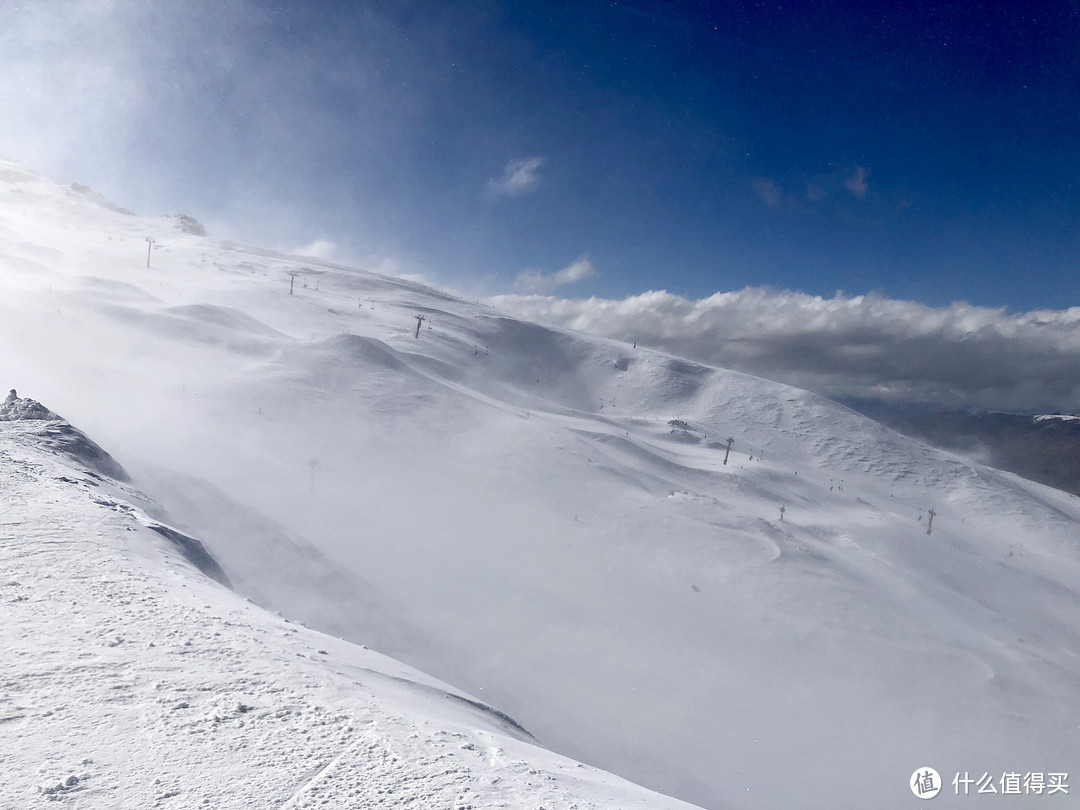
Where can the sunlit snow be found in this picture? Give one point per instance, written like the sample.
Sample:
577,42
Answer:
543,519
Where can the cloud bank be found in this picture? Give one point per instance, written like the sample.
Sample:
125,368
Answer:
864,346
518,177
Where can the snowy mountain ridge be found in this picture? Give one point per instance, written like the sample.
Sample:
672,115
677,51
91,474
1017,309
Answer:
546,519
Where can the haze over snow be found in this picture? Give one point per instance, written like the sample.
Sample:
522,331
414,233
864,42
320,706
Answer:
544,518
131,679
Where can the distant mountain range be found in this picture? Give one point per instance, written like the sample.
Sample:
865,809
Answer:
1041,448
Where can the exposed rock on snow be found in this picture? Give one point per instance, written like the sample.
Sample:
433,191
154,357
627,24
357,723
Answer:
193,551
190,225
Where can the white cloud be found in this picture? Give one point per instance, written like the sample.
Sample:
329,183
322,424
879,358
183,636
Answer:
767,191
533,281
856,183
518,177
850,346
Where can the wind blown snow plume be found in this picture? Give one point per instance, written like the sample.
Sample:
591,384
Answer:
204,98
863,346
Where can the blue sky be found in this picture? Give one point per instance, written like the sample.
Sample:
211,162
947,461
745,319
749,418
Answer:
927,153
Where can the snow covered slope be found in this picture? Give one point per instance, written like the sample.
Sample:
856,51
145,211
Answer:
1043,448
554,511
129,680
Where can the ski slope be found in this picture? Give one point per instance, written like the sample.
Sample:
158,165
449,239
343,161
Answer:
132,679
544,518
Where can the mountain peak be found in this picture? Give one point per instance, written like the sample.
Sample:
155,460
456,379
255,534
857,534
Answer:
53,432
17,409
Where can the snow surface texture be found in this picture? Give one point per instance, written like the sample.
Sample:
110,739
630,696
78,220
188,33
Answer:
555,511
129,680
